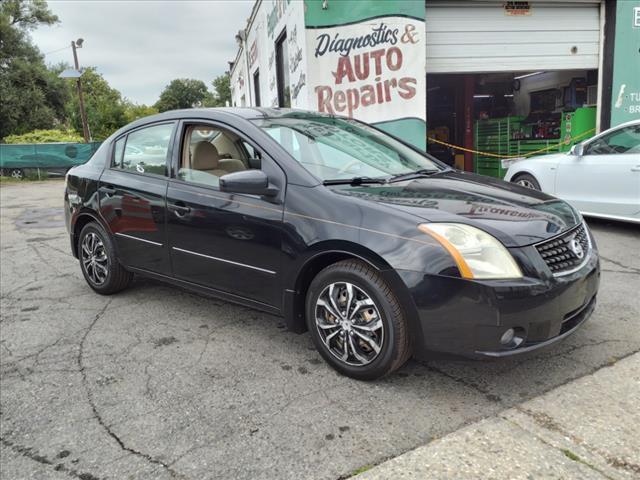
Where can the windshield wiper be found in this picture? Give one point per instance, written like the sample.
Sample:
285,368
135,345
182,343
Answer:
353,181
415,174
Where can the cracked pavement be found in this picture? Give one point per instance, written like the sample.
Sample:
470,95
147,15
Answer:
159,383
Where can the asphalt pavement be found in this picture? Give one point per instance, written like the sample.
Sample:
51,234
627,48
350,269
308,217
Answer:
157,383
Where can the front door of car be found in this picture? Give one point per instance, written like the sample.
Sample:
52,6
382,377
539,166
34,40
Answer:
605,179
132,196
226,241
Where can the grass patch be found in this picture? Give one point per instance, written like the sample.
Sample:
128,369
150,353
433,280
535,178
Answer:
27,176
572,456
9,180
362,469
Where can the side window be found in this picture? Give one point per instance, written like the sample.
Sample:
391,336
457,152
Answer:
254,157
210,152
118,148
625,140
146,150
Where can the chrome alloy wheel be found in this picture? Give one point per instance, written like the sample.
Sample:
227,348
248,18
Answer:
526,183
349,323
94,258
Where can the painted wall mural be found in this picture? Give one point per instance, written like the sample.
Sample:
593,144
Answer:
625,102
366,61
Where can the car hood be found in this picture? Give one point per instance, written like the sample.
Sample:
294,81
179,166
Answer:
517,216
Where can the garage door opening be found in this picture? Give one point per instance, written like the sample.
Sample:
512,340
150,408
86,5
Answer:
509,78
508,114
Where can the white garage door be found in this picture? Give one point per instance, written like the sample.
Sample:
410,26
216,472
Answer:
478,36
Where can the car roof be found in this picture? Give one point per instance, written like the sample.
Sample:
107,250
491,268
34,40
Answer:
218,113
626,124
248,113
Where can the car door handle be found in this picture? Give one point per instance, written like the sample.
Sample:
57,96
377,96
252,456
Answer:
180,209
636,168
107,190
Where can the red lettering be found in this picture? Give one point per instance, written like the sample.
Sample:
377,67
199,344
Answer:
406,90
368,96
391,64
344,69
361,65
353,101
339,100
377,56
324,99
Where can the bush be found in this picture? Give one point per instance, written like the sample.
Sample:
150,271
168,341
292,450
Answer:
45,136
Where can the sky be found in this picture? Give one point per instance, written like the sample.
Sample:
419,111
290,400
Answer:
139,46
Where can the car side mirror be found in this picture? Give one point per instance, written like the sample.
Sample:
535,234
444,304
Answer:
252,182
577,150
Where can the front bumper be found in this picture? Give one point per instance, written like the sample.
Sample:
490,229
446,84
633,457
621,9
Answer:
467,318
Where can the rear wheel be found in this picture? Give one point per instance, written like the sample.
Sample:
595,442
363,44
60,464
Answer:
356,322
99,263
527,180
16,173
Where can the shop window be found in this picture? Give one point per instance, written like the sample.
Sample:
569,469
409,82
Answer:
256,88
282,71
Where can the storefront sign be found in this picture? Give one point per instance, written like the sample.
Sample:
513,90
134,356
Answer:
372,70
625,102
253,54
276,13
517,8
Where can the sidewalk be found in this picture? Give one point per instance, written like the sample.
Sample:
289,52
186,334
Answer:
586,429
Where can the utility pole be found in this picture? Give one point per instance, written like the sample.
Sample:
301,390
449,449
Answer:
83,114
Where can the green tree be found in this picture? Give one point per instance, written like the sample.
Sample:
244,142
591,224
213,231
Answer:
222,87
106,110
45,136
183,93
32,95
133,111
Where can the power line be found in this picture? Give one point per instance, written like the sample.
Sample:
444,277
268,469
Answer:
58,50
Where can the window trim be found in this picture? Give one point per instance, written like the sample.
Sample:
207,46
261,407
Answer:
280,87
126,134
256,87
179,145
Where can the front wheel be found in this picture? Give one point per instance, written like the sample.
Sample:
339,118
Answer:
356,321
99,263
527,180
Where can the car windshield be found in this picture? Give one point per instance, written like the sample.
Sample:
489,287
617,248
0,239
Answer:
336,148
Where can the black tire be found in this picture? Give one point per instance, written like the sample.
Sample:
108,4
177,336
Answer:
116,277
366,281
526,180
16,173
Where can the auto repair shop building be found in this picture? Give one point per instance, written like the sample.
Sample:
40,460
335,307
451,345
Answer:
504,77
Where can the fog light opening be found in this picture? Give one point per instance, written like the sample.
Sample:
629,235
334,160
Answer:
512,337
507,336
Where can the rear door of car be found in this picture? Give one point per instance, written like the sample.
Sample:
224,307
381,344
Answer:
605,179
226,241
132,196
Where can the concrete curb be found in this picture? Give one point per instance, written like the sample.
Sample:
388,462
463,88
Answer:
585,429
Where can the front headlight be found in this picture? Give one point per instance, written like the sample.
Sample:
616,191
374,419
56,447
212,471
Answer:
477,254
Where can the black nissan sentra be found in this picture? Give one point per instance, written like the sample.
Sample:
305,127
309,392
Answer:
378,250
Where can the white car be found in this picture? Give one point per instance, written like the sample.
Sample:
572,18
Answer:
600,176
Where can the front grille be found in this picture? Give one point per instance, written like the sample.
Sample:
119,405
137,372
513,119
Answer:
566,252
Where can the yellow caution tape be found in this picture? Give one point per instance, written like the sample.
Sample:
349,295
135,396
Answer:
496,155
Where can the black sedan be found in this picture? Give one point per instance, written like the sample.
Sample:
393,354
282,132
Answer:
378,250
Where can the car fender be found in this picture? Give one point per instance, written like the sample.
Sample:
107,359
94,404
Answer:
541,168
325,253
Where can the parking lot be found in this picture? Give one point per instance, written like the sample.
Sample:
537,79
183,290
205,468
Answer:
159,383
